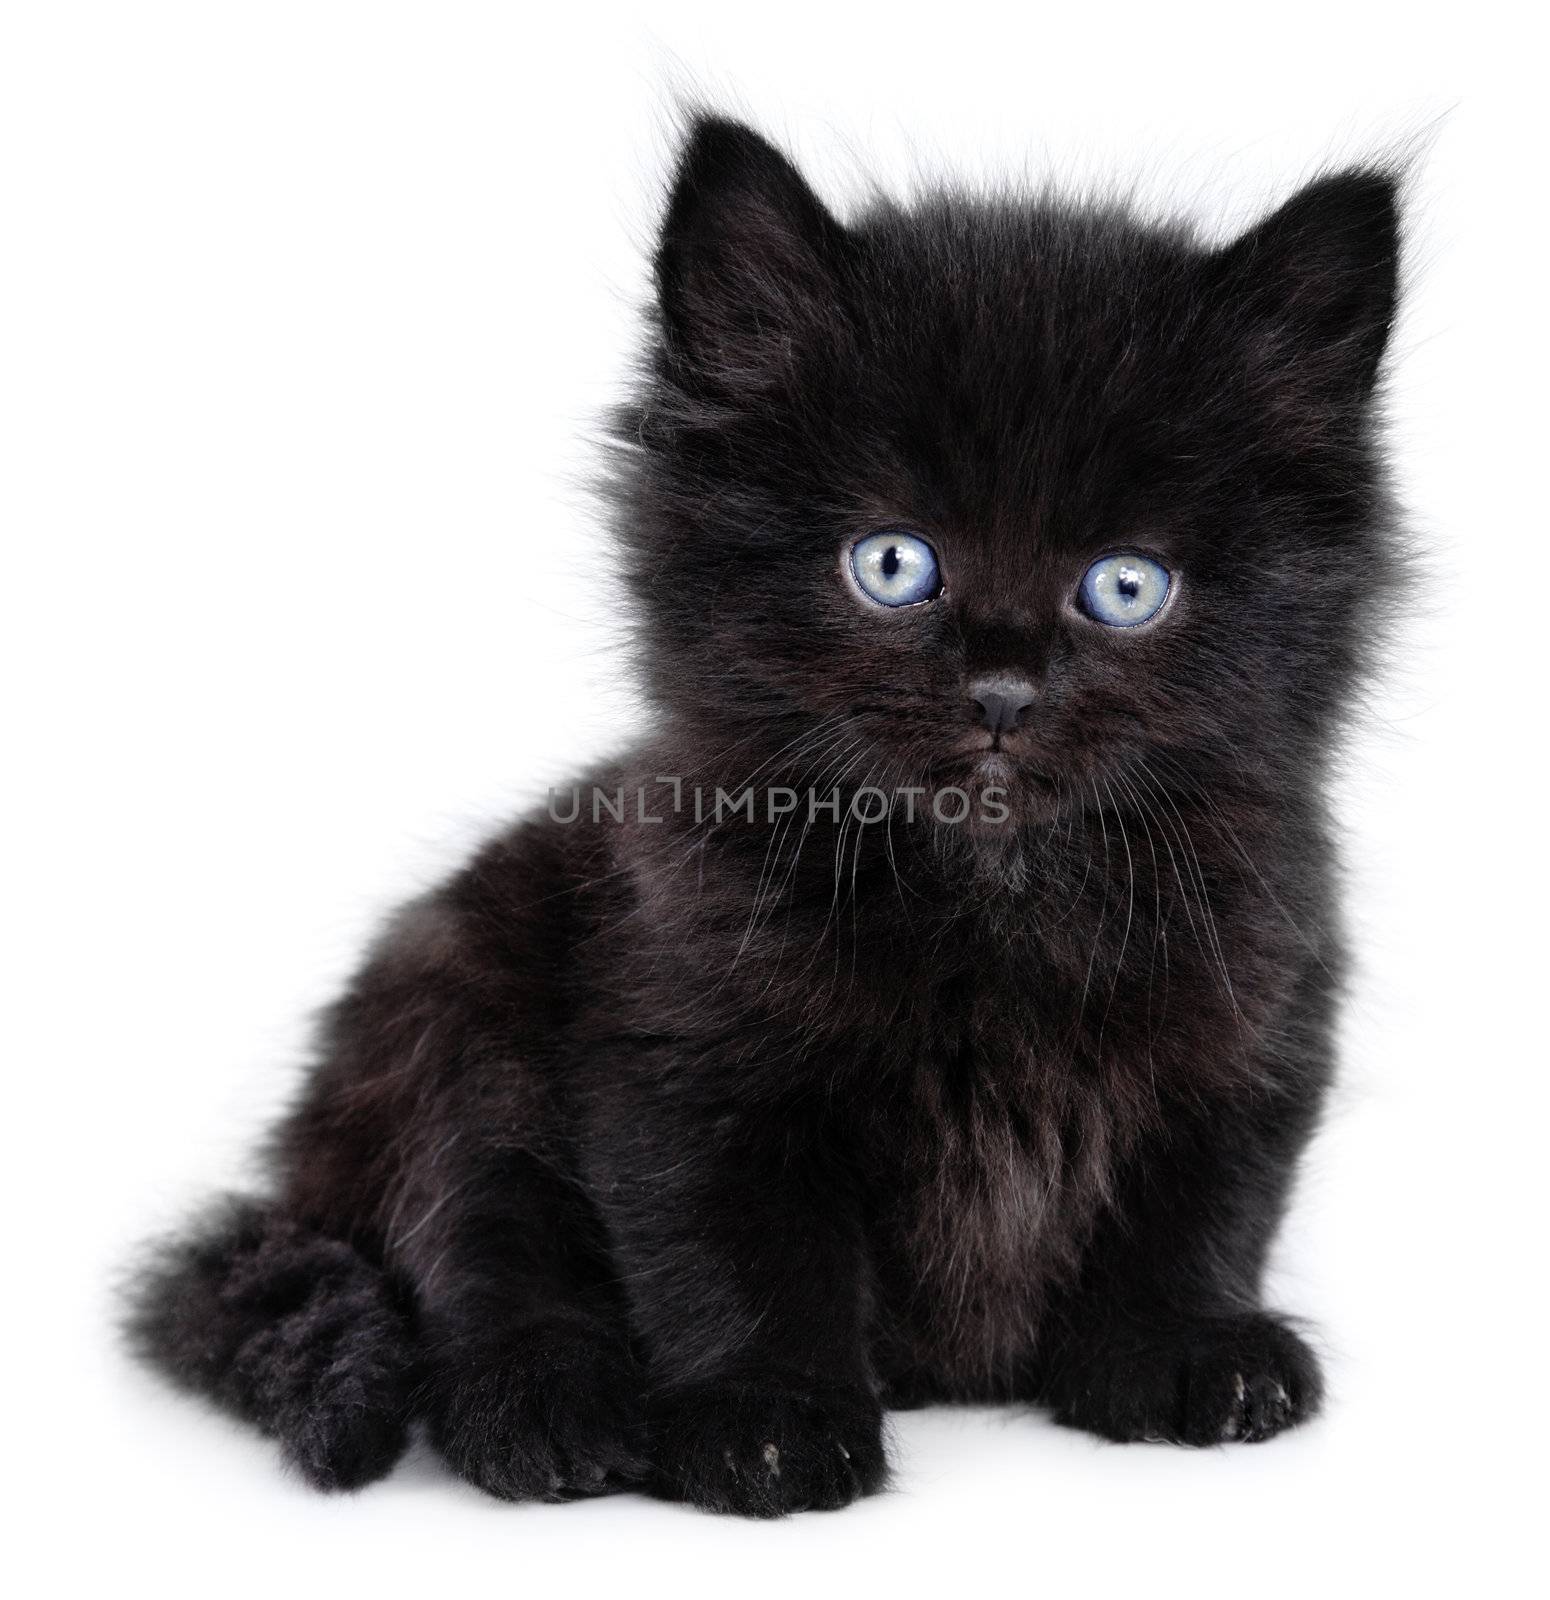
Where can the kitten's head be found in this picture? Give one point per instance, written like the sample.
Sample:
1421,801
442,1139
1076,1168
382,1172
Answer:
1023,494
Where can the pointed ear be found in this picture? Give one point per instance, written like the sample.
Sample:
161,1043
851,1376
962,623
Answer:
1316,284
747,258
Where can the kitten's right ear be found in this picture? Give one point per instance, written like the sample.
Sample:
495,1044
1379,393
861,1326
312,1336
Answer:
747,258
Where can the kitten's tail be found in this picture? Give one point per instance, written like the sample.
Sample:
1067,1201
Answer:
289,1329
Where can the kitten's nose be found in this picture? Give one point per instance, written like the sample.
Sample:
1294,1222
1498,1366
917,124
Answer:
1000,702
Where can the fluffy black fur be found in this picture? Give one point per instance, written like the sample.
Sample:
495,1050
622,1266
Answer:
671,1153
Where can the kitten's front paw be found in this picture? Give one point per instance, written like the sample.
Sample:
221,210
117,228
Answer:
762,1447
1220,1378
558,1417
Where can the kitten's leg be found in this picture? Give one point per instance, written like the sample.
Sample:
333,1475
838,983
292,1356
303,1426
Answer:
741,1251
1164,1335
532,1390
430,1124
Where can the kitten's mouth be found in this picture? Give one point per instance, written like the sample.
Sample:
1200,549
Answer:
994,765
987,761
1001,786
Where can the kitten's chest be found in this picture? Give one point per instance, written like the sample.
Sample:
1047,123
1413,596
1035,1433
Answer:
1008,1161
1036,1066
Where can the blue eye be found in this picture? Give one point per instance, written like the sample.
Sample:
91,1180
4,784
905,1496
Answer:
896,569
1124,591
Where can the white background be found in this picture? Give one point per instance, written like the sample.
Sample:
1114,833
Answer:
307,313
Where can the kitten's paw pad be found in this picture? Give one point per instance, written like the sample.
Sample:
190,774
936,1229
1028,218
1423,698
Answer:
1221,1378
557,1419
766,1447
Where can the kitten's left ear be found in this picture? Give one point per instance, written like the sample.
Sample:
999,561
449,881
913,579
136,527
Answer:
1317,282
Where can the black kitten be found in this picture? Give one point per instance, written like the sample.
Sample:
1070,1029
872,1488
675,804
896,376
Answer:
935,1005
